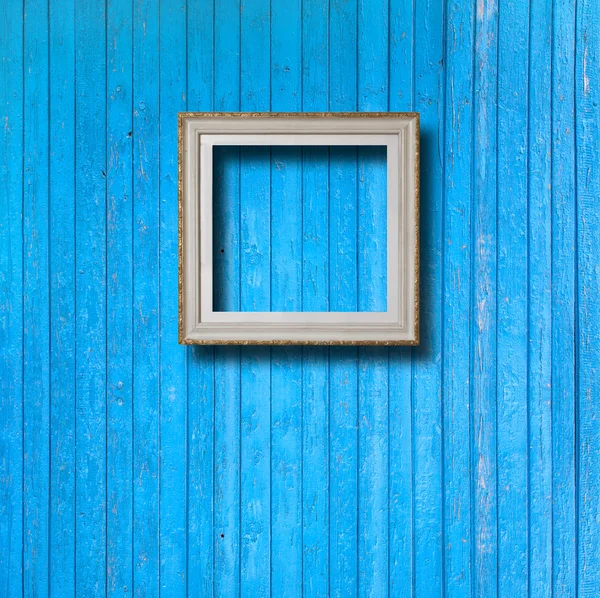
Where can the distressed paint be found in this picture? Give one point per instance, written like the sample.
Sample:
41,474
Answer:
145,415
227,418
62,310
200,361
119,302
465,467
286,295
315,296
512,278
343,367
540,302
173,372
458,288
12,75
36,299
373,379
401,455
90,166
427,372
255,264
564,289
587,94
483,428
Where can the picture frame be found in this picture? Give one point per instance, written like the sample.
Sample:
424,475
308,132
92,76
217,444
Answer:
200,132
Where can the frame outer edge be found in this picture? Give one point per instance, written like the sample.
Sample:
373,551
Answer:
417,319
182,116
180,124
276,342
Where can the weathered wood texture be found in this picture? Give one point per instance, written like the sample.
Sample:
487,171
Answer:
468,466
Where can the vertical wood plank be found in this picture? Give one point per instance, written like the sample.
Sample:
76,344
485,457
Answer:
227,471
315,467
119,218
173,452
373,375
564,512
483,330
456,381
62,303
255,214
343,482
315,297
373,407
588,292
146,291
200,56
401,55
343,371
540,300
200,362
512,279
315,161
227,268
256,475
286,295
90,248
200,470
36,324
427,374
401,543
11,298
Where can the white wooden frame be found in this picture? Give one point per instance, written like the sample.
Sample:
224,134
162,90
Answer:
200,132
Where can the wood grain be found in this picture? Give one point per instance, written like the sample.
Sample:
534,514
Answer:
62,304
255,290
119,301
36,266
315,297
563,215
484,241
12,77
512,277
460,158
200,360
427,371
343,295
286,295
587,95
540,302
130,465
146,403
173,384
227,418
90,298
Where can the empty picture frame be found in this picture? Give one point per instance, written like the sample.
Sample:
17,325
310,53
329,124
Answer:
200,324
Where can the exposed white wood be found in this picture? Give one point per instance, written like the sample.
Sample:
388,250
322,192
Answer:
201,324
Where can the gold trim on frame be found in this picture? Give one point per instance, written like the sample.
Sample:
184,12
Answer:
181,118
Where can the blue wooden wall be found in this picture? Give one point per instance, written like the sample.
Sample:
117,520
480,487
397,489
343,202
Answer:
469,466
